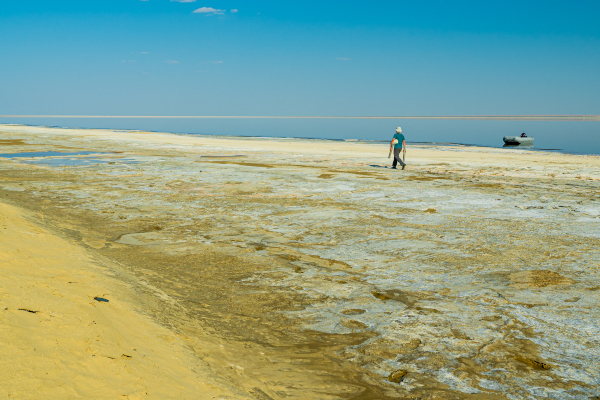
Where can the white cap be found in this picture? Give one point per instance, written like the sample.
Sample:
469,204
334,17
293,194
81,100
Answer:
398,130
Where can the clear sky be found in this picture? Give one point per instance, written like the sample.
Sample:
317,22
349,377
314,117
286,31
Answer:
238,57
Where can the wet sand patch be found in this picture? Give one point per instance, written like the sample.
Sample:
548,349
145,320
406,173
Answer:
488,185
138,239
326,176
426,178
13,142
246,164
223,156
539,279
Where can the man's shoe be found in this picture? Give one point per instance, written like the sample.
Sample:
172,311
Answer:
393,167
403,166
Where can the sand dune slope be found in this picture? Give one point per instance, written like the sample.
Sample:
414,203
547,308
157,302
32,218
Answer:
58,342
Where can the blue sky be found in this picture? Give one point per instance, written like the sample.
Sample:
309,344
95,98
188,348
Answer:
159,57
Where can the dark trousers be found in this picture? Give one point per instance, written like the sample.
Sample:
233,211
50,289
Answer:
397,158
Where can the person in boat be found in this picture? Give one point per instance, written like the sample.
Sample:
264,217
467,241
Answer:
398,143
523,134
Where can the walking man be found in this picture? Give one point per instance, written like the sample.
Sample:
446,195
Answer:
398,143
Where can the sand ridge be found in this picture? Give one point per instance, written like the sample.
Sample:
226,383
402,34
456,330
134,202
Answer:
57,340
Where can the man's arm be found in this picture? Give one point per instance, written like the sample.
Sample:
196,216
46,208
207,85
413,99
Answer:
404,145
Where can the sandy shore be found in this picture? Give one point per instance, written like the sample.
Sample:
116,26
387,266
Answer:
286,268
58,342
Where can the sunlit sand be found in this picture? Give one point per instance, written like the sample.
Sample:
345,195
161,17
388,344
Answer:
287,268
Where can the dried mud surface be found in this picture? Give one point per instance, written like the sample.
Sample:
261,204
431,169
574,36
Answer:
306,269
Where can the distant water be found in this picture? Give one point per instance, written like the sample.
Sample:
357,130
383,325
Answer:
579,137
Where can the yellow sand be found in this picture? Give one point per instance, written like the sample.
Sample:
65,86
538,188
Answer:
74,346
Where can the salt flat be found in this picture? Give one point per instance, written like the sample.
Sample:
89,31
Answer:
307,269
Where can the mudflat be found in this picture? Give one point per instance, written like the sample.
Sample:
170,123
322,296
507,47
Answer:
287,268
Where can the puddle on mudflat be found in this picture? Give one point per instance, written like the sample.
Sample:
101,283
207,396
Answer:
60,159
46,154
77,161
67,162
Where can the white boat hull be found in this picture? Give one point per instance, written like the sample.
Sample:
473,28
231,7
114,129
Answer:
518,140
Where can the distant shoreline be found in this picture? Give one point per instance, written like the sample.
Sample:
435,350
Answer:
532,117
374,141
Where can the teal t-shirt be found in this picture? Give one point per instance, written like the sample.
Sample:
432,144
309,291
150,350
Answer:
400,138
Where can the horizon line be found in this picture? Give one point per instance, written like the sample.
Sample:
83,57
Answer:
532,117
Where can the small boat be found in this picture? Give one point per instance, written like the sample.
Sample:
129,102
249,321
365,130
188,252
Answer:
517,140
